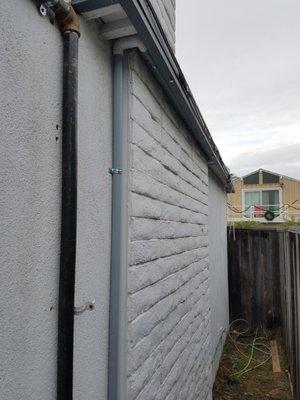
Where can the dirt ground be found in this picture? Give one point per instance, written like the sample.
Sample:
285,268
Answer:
260,383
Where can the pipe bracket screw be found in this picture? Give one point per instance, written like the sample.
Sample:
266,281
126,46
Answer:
88,306
114,171
43,9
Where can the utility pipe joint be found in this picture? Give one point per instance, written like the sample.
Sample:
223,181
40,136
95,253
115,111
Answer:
65,15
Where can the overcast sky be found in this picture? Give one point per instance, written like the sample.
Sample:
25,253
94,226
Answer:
242,61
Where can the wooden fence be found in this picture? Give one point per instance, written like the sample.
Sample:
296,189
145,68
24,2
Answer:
254,276
264,285
290,302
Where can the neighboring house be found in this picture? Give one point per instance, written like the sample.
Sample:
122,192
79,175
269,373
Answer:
262,191
151,259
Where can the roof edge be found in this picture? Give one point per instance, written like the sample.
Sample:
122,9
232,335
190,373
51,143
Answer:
166,69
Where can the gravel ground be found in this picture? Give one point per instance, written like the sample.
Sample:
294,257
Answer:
259,384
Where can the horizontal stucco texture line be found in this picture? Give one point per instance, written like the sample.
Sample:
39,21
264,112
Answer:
169,312
151,187
148,207
146,229
149,273
175,324
145,163
163,127
165,11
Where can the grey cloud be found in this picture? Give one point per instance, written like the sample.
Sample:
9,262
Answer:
283,158
242,62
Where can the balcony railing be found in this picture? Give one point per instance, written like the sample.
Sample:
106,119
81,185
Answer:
258,212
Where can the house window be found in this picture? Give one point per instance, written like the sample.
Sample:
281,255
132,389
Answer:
260,201
252,179
252,198
270,178
270,199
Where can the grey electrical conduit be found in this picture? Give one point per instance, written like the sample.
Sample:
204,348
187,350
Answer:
118,277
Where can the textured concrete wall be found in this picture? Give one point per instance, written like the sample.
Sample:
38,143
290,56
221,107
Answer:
30,151
218,268
168,302
165,10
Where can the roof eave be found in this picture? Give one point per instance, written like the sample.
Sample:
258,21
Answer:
167,71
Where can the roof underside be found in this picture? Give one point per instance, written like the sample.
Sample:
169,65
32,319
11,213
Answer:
127,17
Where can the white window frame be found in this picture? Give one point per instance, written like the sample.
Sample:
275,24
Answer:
260,189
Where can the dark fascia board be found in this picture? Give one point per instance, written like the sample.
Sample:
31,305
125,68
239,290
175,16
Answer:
82,6
167,71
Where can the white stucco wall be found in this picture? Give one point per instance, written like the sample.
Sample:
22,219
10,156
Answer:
218,268
169,314
30,151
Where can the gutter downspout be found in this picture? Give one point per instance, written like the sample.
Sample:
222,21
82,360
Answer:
68,22
117,389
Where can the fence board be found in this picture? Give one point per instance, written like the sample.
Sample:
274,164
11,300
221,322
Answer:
290,303
264,285
254,277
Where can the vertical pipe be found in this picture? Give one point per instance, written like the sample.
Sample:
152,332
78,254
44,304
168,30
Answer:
118,291
119,243
68,218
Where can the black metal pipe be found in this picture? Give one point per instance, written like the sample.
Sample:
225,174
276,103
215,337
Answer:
68,218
